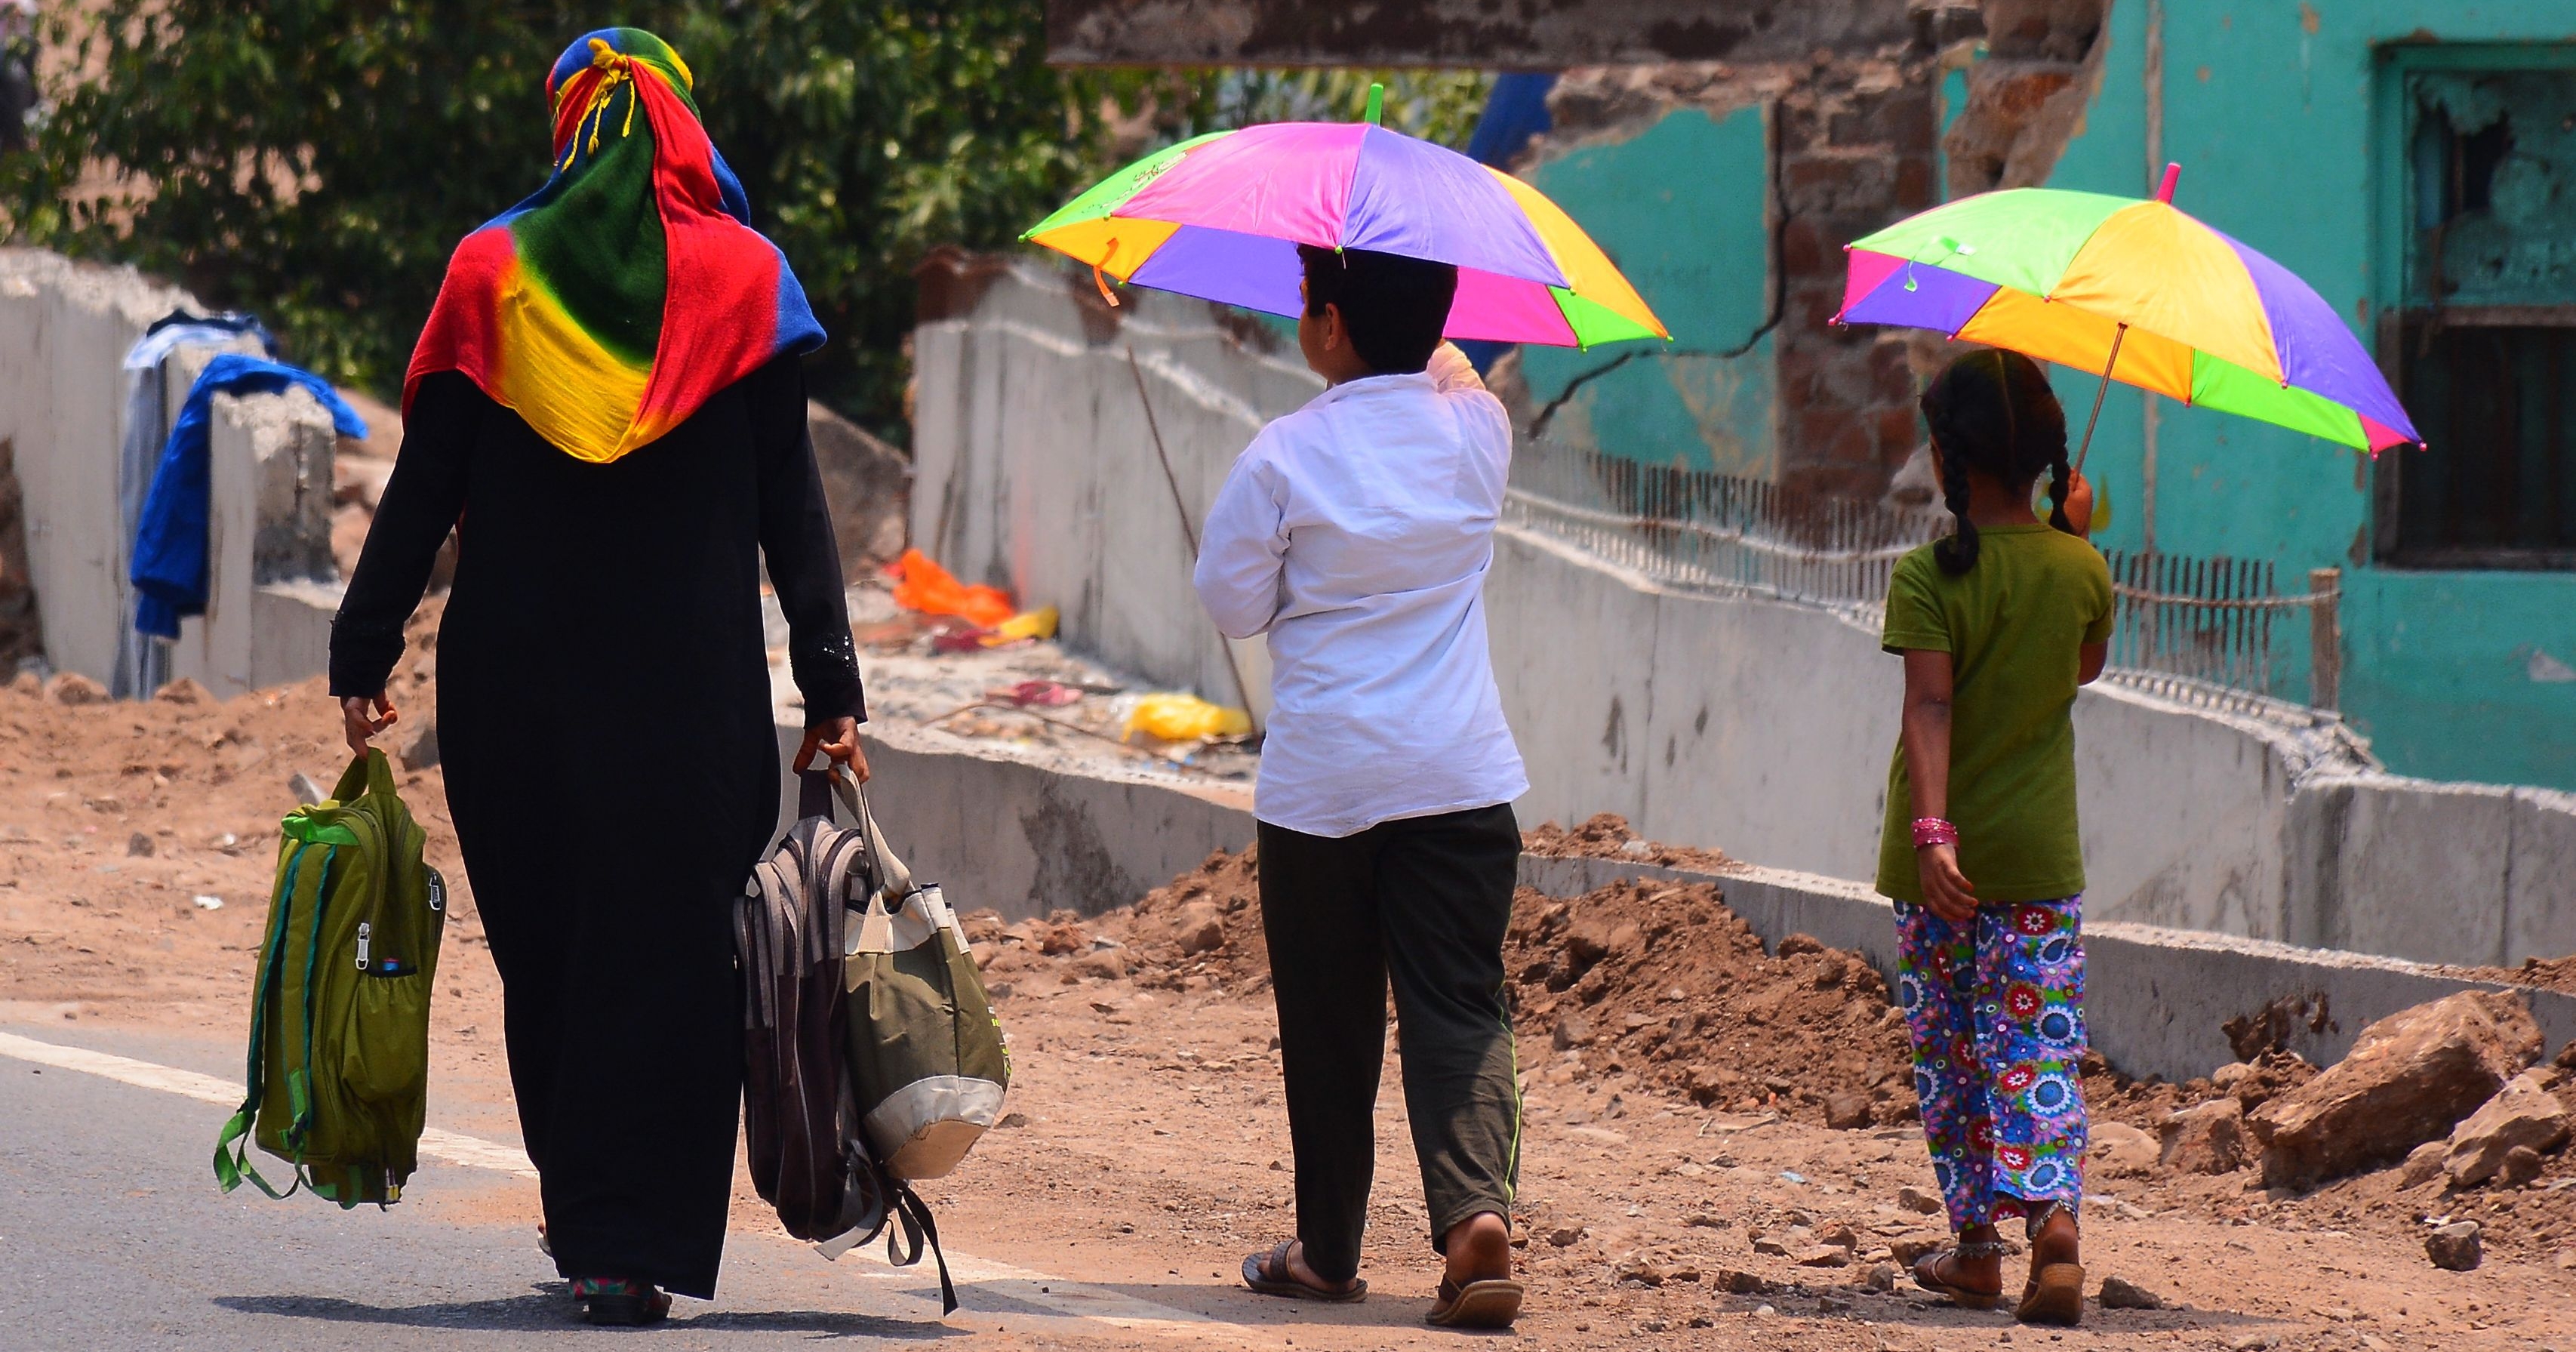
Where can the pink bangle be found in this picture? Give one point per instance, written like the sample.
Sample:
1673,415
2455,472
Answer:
1934,831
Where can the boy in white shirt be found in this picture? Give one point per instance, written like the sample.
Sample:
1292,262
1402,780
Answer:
1356,533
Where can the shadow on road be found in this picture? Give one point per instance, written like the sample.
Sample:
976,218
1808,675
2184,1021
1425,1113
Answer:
549,1307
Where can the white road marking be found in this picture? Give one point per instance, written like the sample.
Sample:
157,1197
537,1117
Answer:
1024,1286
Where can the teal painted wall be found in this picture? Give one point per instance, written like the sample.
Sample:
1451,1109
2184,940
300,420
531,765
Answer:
1681,209
2269,107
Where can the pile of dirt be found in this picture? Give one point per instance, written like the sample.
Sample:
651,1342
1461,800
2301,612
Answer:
1607,835
1663,981
1204,924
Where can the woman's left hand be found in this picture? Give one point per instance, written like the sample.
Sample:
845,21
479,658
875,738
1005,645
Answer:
837,738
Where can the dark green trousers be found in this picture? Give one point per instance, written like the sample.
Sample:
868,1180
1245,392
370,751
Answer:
1421,904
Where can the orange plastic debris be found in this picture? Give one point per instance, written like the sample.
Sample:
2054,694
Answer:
925,586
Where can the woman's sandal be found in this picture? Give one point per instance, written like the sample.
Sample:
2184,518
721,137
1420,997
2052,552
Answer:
1268,1274
1927,1274
1491,1303
620,1301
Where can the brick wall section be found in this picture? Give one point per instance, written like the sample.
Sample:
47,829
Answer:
1859,144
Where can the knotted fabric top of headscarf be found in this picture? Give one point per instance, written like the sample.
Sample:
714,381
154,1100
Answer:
631,287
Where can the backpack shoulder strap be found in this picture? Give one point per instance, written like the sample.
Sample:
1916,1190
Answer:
232,1147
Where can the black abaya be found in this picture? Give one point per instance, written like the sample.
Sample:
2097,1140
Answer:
604,719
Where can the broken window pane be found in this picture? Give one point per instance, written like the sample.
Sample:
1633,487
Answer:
2486,342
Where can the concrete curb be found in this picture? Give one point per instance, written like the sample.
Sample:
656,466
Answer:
1026,838
2158,1000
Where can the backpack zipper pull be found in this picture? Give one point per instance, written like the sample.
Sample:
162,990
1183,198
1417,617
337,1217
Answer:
364,930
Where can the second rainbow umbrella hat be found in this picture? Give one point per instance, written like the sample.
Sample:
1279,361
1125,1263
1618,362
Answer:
1220,217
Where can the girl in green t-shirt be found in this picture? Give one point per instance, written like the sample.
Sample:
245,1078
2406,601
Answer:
1998,625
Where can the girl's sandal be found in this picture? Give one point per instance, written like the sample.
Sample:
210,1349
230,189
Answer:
2054,1295
1928,1268
620,1301
1269,1274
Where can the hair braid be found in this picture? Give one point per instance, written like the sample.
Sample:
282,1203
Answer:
1958,553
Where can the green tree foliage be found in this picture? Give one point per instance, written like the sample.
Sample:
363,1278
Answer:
317,160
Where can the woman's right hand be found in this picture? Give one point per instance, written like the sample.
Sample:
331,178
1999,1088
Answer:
359,724
1945,889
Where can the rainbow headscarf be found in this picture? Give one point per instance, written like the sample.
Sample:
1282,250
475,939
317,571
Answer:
631,287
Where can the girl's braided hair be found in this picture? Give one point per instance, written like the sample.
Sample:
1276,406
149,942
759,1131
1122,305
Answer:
1992,411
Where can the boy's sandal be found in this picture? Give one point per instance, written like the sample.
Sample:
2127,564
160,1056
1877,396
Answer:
1492,1303
620,1301
1268,1273
1927,1274
2054,1295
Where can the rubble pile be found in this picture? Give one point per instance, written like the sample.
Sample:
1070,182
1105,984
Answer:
1607,835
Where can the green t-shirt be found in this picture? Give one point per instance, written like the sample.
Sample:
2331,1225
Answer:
2012,625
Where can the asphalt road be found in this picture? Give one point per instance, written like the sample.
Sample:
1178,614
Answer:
112,1235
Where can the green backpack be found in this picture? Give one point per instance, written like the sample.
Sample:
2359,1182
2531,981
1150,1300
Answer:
339,1024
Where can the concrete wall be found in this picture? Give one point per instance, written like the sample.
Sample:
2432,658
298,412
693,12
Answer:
1035,467
64,330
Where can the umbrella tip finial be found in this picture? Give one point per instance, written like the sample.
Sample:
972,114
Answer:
1376,103
2164,190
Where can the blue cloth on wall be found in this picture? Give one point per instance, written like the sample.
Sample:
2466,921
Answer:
170,544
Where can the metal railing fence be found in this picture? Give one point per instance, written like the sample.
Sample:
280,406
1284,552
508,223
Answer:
2216,632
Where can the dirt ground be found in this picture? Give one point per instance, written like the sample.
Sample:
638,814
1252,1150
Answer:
1679,1081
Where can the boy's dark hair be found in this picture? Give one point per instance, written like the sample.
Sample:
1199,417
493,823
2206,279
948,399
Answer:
1993,412
1393,306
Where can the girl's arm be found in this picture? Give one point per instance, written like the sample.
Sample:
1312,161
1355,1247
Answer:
421,504
2090,660
1927,768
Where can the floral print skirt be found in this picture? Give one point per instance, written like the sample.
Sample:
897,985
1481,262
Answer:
1996,1010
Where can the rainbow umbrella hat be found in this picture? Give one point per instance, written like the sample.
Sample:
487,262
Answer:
2136,290
1220,217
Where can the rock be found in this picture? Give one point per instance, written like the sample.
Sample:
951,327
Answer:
1911,1247
1797,944
1636,1272
1738,1283
1200,928
2423,1164
2522,1114
1565,1236
2226,1076
185,690
2124,1151
2455,1247
1572,1031
1840,1236
1108,965
1847,1111
1012,1121
26,683
2121,1295
138,846
2208,1139
70,687
421,752
1822,1256
1919,1201
1770,1248
983,926
1704,1220
1881,1278
2521,1165
1056,939
2410,1078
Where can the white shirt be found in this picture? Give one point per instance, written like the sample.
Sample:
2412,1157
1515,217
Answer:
1356,532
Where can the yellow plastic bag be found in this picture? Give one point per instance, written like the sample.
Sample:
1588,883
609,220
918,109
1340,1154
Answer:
1184,718
1038,623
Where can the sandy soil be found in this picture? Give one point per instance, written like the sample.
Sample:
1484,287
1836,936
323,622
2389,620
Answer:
1153,1153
